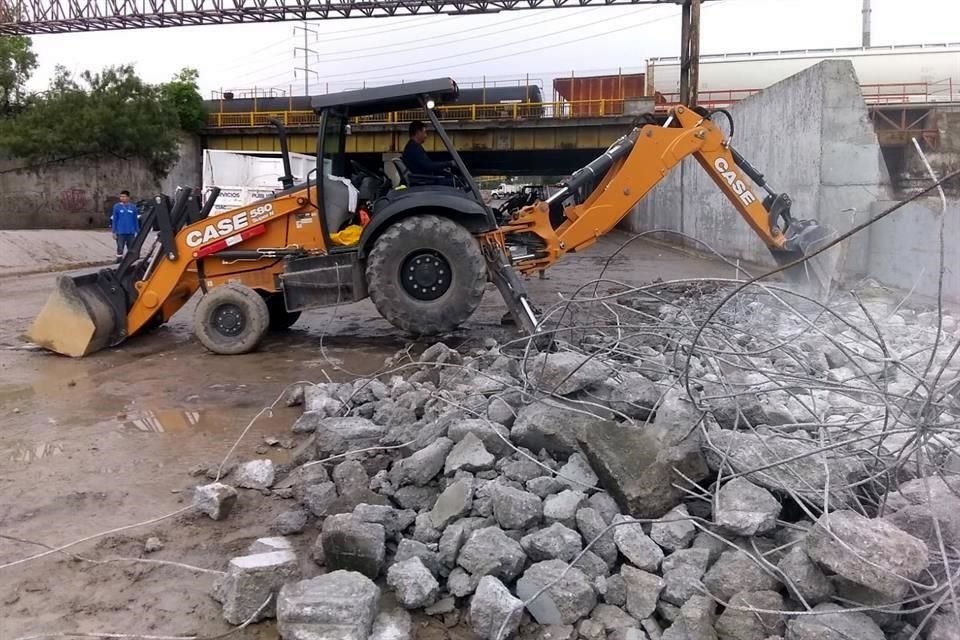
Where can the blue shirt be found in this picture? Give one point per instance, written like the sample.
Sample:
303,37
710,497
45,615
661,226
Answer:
418,162
124,220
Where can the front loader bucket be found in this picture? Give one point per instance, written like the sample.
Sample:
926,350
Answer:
814,276
77,319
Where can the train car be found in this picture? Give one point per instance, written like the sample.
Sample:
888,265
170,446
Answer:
923,72
591,96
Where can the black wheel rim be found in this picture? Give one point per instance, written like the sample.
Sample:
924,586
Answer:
228,320
425,275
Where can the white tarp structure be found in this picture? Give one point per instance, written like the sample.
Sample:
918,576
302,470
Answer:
245,176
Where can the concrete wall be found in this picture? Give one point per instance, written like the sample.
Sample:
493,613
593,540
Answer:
904,247
812,138
78,194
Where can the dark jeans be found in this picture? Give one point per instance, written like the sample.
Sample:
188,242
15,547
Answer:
124,242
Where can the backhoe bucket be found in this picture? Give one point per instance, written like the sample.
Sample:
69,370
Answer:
814,276
77,319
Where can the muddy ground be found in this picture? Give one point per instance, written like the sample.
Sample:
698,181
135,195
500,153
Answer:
90,445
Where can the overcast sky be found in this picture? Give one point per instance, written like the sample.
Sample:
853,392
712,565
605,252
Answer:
543,43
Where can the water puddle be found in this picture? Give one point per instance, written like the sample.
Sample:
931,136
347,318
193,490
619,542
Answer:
169,421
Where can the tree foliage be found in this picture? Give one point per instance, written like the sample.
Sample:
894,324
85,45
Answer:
113,112
184,93
17,62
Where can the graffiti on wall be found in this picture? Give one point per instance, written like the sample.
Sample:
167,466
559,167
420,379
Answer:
74,200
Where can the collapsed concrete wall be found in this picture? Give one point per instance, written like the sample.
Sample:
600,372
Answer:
78,194
812,138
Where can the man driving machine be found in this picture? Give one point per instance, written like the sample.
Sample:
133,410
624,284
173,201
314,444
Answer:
417,161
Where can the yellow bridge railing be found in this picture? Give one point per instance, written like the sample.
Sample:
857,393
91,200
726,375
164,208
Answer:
467,112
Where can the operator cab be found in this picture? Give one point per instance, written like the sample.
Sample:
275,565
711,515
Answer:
351,192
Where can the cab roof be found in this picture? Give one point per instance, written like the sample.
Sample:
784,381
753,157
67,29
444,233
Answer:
396,97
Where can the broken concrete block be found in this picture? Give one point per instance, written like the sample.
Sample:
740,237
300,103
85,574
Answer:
616,593
523,470
500,412
643,591
341,605
455,502
693,621
494,613
737,622
152,545
408,549
568,599
392,624
413,583
495,437
631,633
353,485
491,552
635,546
461,584
553,425
674,530
714,544
566,372
737,571
682,574
215,500
563,508
554,542
545,486
394,521
423,466
804,579
450,543
267,545
468,455
873,553
290,522
353,545
339,435
250,580
321,499
638,469
612,618
416,498
424,530
832,622
744,509
604,504
592,528
577,474
515,509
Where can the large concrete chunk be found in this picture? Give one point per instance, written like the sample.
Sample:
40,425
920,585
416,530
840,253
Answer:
250,580
490,552
562,507
495,437
744,509
408,549
414,584
674,530
256,474
870,552
341,605
392,624
515,509
643,591
804,579
631,395
453,503
339,435
552,425
737,571
468,455
565,373
790,465
635,545
494,613
593,529
353,545
638,469
682,574
556,542
570,597
215,500
738,622
693,621
393,520
832,622
423,466
577,474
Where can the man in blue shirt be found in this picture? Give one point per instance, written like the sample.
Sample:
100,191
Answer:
416,159
124,223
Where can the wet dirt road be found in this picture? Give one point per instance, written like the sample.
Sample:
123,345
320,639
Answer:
106,441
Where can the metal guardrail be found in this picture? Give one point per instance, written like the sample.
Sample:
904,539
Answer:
945,91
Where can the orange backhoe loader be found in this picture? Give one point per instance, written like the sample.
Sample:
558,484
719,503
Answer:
424,257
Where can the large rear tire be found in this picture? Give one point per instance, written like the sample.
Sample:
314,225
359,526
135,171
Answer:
280,318
426,275
231,319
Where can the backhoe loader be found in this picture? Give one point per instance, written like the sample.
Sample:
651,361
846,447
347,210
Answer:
425,254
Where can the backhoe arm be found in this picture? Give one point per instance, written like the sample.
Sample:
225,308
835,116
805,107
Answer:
632,167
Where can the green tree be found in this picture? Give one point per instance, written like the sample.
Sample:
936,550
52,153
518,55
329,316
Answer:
17,62
113,112
184,93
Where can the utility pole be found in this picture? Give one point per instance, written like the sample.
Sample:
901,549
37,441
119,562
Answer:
307,52
866,24
690,53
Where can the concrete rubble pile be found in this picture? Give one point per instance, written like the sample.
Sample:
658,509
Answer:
790,471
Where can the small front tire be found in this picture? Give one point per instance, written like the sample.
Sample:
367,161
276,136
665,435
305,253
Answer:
231,319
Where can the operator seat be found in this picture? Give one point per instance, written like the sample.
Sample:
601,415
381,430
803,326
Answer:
339,202
417,179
